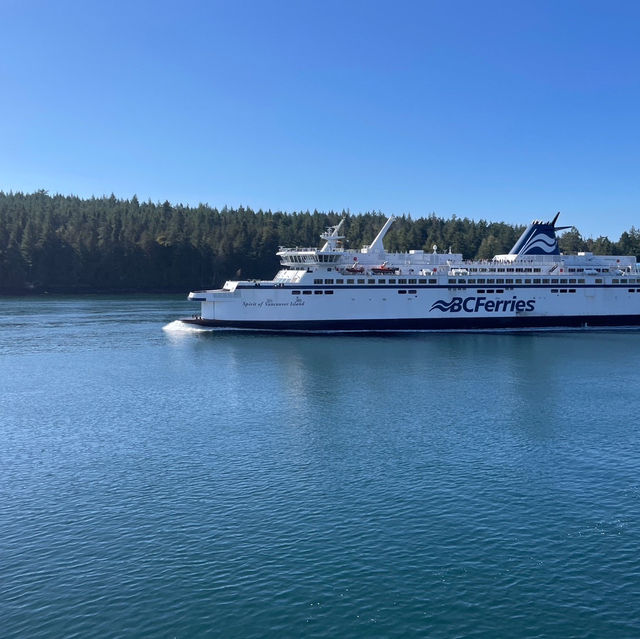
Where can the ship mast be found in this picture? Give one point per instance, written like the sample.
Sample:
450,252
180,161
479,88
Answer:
332,237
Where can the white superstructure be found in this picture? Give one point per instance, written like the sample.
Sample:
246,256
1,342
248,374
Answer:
332,288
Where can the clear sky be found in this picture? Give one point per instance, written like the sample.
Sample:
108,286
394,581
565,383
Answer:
502,110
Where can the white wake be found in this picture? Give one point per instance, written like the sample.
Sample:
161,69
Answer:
178,326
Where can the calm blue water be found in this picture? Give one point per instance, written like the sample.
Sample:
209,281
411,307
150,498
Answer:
164,483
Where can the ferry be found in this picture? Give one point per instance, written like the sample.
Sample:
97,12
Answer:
337,289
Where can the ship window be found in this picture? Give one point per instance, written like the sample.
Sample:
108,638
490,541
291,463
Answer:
329,268
491,281
572,290
317,281
615,281
339,281
392,281
500,270
382,281
554,290
328,281
508,281
492,270
499,281
632,290
328,292
572,281
581,281
317,292
460,281
413,281
536,281
518,281
536,270
572,270
451,281
481,280
295,292
499,290
419,281
527,281
371,281
564,281
433,281
413,292
598,280
350,281
402,292
554,281
306,292
480,290
563,290
490,290
401,281
360,281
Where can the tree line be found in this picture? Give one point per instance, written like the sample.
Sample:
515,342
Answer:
63,243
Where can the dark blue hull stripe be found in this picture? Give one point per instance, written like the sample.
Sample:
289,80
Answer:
424,323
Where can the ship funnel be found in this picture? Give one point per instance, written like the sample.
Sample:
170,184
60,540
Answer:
539,238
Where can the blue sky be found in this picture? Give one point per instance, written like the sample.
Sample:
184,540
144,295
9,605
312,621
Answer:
506,111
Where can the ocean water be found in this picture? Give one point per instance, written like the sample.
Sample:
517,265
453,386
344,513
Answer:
163,482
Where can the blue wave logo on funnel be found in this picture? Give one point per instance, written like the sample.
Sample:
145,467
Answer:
539,238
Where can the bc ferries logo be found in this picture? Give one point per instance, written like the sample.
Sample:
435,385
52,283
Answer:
475,304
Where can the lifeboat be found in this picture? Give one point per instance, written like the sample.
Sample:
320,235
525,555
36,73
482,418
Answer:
383,269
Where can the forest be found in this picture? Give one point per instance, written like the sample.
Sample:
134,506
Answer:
58,243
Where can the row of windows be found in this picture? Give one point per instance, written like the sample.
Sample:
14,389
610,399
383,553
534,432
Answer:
329,292
505,270
463,280
415,292
529,270
519,281
391,280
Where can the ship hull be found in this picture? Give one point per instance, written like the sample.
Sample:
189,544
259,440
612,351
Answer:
421,309
424,324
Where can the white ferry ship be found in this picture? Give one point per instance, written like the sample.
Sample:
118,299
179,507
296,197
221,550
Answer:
335,289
